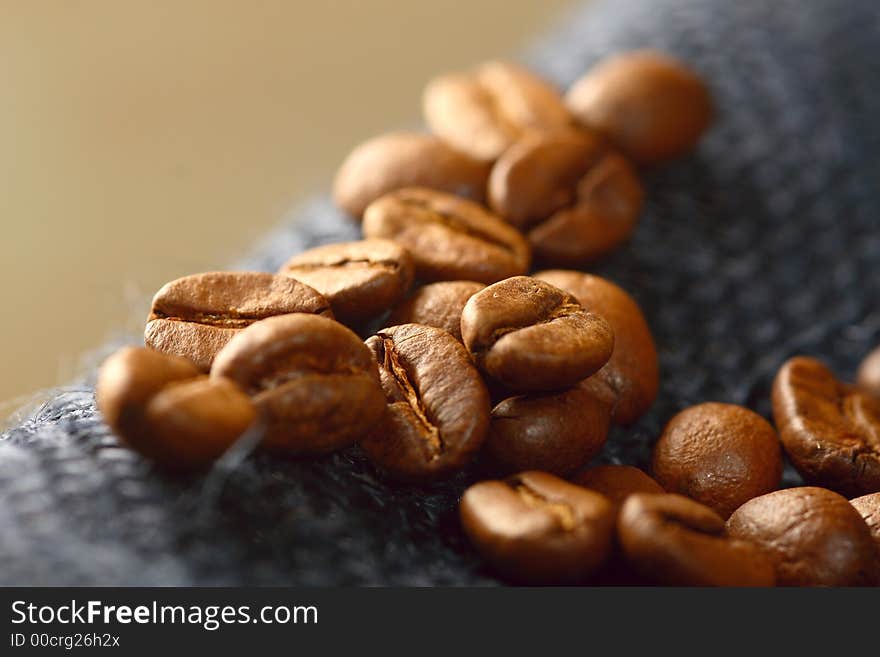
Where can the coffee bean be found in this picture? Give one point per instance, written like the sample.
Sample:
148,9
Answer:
829,430
815,537
869,373
360,279
674,541
438,407
438,304
164,408
405,159
868,507
651,105
484,111
313,380
617,482
448,237
532,336
554,432
195,316
574,200
632,372
720,455
538,529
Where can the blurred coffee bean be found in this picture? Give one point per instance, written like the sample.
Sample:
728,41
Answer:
484,111
649,104
163,407
868,377
405,159
574,200
617,482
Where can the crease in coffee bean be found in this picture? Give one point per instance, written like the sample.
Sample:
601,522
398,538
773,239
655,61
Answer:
230,319
271,382
347,262
563,310
496,108
563,513
391,363
451,221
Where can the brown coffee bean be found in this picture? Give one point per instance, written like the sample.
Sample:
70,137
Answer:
532,336
632,372
313,380
829,430
360,279
651,105
484,111
574,200
554,432
438,406
163,407
815,537
195,316
720,455
674,541
438,304
448,237
868,377
405,159
868,507
538,529
617,482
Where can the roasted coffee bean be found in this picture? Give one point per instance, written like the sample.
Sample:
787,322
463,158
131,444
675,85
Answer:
869,508
617,482
163,407
484,111
674,541
313,380
195,316
574,200
651,105
720,455
538,529
829,430
532,336
438,406
815,537
869,373
406,159
448,237
438,304
632,372
555,432
360,279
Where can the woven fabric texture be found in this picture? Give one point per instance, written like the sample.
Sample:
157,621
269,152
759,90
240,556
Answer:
763,244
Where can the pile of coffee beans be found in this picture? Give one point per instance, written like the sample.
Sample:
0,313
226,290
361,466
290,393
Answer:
449,337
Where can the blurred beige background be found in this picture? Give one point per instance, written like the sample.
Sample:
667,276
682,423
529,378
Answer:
144,140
